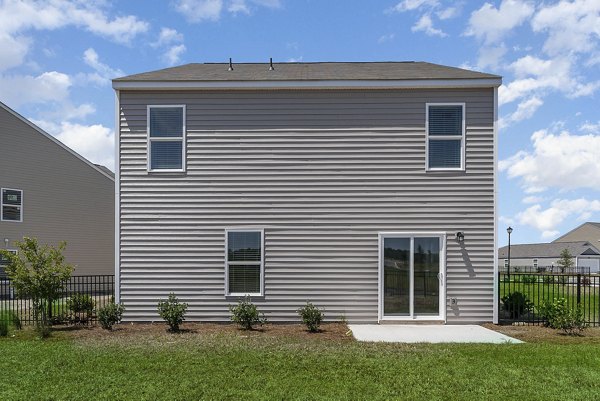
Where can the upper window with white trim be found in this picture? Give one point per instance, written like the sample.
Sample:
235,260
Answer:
445,127
12,204
166,138
245,261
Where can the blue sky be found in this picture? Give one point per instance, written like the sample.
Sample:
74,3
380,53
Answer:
57,59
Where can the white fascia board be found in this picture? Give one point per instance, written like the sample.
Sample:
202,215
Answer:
333,84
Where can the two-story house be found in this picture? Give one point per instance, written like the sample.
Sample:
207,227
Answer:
365,188
50,192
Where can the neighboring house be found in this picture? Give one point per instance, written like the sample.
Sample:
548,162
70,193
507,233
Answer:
585,255
589,232
343,184
52,193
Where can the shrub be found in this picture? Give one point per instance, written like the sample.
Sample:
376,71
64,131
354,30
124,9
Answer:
172,311
81,306
110,315
311,316
548,280
560,316
39,273
8,319
246,314
529,279
516,304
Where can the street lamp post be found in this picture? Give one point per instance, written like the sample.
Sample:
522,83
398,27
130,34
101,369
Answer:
509,230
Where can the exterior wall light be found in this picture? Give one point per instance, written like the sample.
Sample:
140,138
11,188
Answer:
460,237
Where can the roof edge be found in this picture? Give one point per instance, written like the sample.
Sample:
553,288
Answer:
576,228
121,84
56,141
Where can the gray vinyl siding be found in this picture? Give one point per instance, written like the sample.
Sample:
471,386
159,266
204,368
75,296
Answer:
322,172
64,198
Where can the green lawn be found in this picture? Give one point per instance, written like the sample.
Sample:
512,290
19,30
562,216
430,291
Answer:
234,365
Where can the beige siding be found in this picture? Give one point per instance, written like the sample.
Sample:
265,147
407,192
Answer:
322,172
586,232
65,199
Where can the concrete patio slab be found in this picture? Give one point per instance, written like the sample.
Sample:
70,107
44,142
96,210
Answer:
413,333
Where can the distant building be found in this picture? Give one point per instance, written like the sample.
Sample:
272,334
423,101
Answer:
589,232
546,255
50,192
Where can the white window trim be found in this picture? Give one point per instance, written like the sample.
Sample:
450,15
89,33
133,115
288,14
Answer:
505,263
2,205
453,137
262,262
166,139
535,263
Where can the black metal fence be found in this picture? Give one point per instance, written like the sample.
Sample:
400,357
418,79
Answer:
100,289
524,290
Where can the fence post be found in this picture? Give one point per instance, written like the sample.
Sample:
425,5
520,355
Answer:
578,288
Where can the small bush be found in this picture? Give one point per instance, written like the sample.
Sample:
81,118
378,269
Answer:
110,315
548,280
311,316
172,311
529,279
516,304
560,316
81,307
246,314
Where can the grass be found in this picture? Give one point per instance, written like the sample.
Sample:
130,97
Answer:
538,292
233,364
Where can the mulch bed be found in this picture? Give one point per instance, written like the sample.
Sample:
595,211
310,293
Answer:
541,334
157,333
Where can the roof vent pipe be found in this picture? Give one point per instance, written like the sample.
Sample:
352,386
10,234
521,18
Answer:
271,68
230,65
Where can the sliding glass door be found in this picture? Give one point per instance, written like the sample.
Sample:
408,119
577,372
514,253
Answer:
411,276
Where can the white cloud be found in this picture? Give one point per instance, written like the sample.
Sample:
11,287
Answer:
17,16
448,13
295,59
94,142
572,26
491,24
490,56
425,24
199,10
590,128
547,235
211,10
386,38
563,161
50,86
409,5
103,73
532,199
167,36
547,220
12,50
173,55
525,110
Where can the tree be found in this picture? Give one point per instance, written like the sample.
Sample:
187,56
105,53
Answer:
40,273
566,260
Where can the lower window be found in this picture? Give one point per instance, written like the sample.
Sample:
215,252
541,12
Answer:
245,262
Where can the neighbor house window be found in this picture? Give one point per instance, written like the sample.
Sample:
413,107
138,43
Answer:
445,126
12,204
244,265
166,138
535,263
506,263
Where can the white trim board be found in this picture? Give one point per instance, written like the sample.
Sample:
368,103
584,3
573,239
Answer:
56,141
315,84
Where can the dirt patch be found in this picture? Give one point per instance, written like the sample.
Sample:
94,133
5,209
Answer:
156,334
540,334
